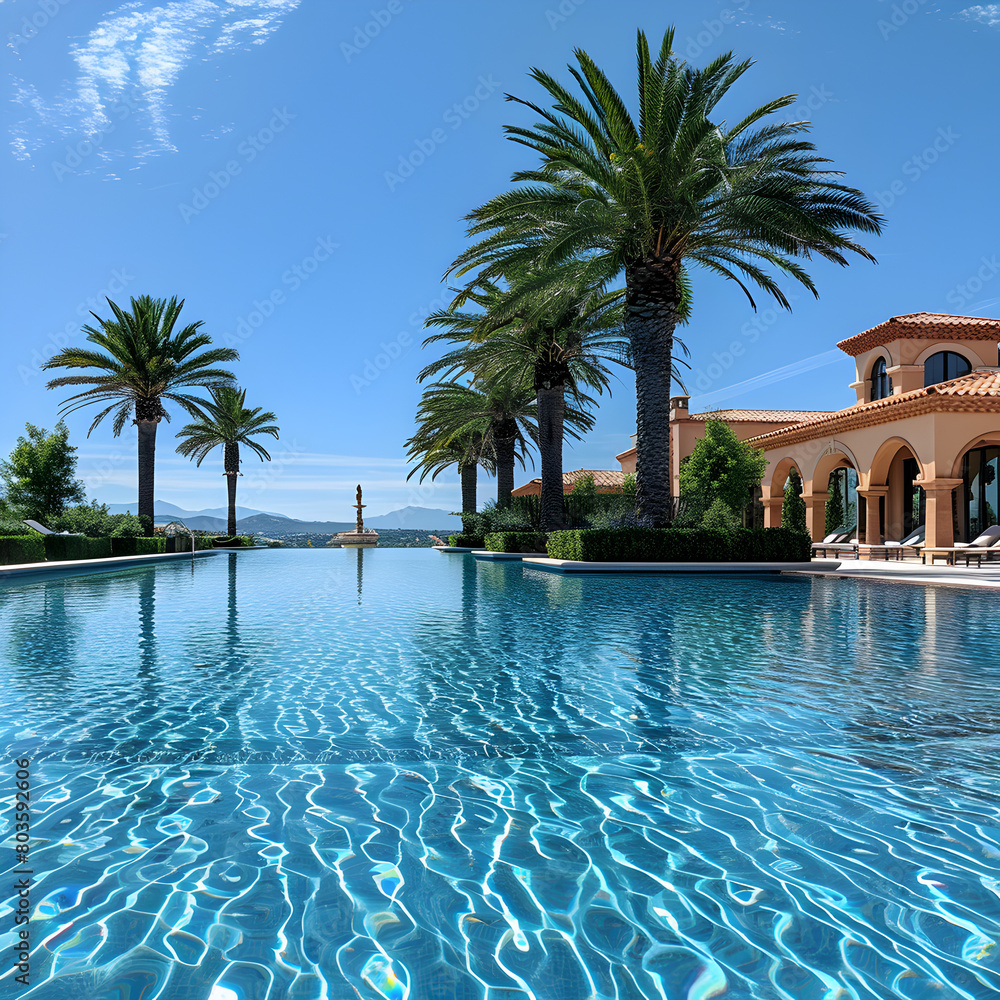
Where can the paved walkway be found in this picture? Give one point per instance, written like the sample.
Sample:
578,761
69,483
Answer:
987,575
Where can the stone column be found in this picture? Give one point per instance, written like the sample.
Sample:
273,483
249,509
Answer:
815,514
939,520
772,510
873,523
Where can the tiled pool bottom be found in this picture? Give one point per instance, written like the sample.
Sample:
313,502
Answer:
390,773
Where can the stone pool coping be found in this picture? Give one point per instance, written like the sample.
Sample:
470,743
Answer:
451,548
487,554
576,566
78,567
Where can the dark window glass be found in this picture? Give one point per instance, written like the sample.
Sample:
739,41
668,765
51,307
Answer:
943,366
881,383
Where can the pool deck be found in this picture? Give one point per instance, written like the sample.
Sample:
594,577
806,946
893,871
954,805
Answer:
79,567
987,575
487,554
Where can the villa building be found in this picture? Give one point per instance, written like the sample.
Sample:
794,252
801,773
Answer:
921,441
920,444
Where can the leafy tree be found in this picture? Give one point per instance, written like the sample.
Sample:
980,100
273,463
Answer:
95,521
39,477
835,504
653,196
228,422
720,517
793,507
141,363
720,467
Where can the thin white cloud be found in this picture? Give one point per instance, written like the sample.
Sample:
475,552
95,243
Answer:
130,61
987,13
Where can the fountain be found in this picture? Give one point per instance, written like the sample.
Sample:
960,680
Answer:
360,536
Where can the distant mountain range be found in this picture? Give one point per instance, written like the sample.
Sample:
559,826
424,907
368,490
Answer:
260,522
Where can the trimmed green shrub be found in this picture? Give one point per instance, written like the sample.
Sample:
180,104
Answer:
466,541
515,541
98,548
60,547
233,542
16,549
680,545
138,546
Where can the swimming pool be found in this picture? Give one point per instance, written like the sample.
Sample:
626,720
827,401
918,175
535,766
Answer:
395,773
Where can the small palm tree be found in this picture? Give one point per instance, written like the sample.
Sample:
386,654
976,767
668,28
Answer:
502,413
227,421
437,445
551,333
141,364
653,195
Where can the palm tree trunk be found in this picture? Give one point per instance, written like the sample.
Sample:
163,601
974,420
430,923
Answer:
650,319
505,446
231,460
469,473
147,463
551,410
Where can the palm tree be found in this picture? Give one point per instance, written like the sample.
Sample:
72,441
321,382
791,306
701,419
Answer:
502,413
142,363
227,421
652,198
434,449
550,332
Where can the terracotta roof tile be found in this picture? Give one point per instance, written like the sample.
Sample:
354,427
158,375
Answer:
978,385
932,326
604,479
761,416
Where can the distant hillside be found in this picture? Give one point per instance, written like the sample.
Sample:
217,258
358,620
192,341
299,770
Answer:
164,511
416,519
279,527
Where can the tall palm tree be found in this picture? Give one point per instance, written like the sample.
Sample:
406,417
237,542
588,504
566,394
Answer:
436,446
226,420
550,332
653,196
142,362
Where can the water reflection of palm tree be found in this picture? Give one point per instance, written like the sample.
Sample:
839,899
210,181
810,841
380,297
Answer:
361,571
40,624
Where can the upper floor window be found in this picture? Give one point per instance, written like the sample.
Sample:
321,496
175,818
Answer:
881,383
943,366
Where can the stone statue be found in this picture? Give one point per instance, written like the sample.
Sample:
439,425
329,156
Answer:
360,526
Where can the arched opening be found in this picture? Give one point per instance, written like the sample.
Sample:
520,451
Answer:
944,366
902,507
881,383
836,475
979,503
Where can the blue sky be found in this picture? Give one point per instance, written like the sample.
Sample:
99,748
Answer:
297,170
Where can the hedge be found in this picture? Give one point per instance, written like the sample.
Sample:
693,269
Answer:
21,549
137,546
680,545
466,541
515,541
58,547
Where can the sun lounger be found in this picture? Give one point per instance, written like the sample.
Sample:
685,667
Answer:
42,530
914,542
822,548
983,547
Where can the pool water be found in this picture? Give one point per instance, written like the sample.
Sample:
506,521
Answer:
395,773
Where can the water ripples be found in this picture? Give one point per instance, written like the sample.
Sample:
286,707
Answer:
440,779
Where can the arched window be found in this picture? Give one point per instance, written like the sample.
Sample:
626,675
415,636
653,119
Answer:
881,383
943,366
